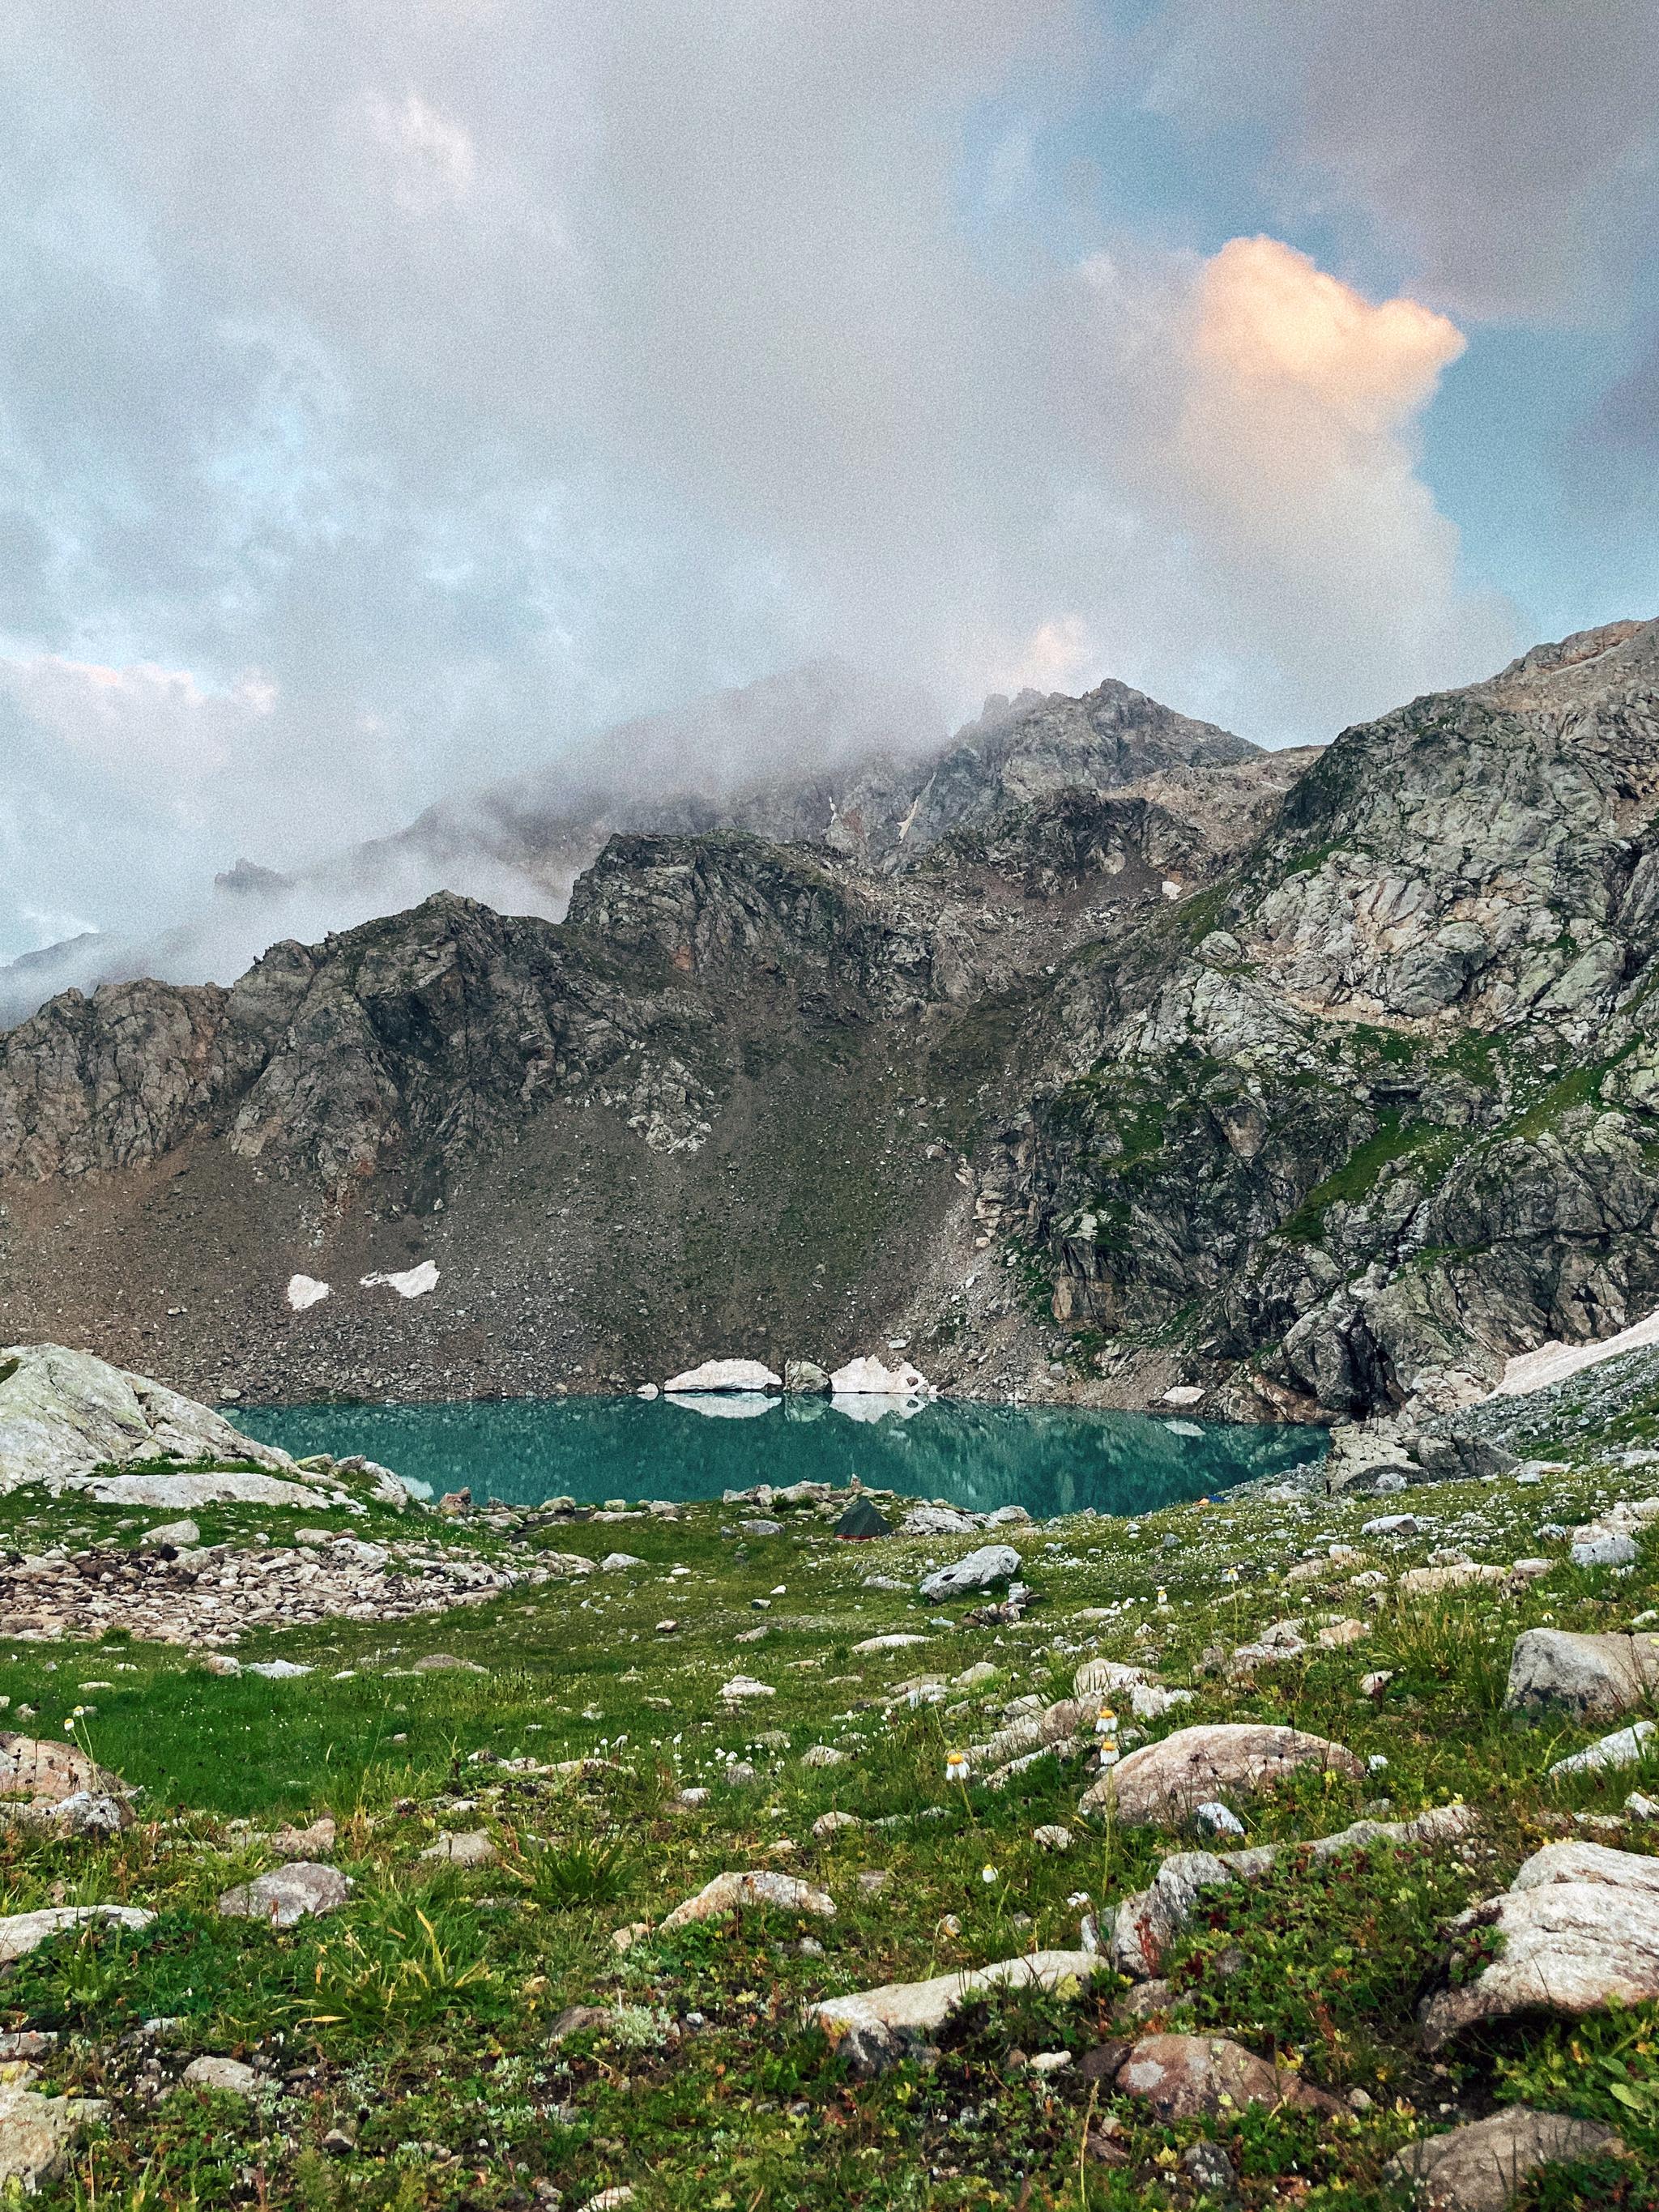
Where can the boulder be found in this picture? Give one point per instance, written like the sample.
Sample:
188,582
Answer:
991,1563
1481,2167
51,1773
1579,1926
1556,1673
741,1892
181,1534
228,2075
724,1374
62,1413
288,1894
1165,1783
804,1378
869,1378
37,2134
830,1824
23,1932
1188,2077
617,1563
938,1521
876,2027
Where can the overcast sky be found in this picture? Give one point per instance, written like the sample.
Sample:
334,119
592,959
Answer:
392,389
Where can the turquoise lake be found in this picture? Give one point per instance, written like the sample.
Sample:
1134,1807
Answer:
525,1450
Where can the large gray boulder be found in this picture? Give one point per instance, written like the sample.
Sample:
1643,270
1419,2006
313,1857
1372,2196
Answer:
1481,2167
1579,1928
1556,1673
1164,1784
992,1563
62,1413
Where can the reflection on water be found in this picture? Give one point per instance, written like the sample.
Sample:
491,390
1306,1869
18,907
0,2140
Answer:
525,1450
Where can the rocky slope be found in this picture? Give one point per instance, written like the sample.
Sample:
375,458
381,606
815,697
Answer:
1316,1084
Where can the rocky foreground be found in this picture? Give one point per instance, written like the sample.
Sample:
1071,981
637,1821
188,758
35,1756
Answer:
1294,1848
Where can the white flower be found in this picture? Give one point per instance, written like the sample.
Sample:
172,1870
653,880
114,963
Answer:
1376,1762
988,1874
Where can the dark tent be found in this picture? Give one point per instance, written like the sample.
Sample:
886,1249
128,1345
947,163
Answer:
860,1521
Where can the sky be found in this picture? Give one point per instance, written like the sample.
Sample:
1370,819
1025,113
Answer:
393,392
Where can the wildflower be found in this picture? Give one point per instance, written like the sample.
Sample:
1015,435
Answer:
956,1766
1162,1595
988,1874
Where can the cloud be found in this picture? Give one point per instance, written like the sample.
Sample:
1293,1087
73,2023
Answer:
481,373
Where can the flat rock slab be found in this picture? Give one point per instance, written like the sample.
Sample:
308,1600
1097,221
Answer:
290,1843
1480,2168
228,2075
1183,2077
50,1772
876,2027
177,1492
1580,1928
471,1850
1556,1673
737,1892
287,1894
1625,1747
441,1663
23,1932
37,2134
1165,1782
991,1563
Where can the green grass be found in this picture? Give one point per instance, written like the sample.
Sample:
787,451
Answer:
1430,1147
418,2016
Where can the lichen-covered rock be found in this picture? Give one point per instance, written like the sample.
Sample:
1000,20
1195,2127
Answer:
1186,2077
1481,2167
1555,1673
991,1563
1166,1782
38,2133
288,1894
23,1932
742,1892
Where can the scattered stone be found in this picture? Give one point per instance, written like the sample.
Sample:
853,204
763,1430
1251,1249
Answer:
805,1377
291,1842
228,2075
971,1677
1624,1748
1554,1671
183,1533
939,1521
1186,2077
1146,1923
745,1685
1423,1582
876,2027
49,1773
832,1823
872,1878
1609,1548
1208,2167
472,1849
895,1643
1481,2167
1164,1783
615,1563
738,1893
23,1932
277,1670
37,2134
991,1563
1052,1837
287,1894
1049,2062
1217,1819
442,1662
824,1754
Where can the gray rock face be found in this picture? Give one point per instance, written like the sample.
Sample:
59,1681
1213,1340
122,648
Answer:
991,1563
228,2075
38,2133
1580,1928
1146,1923
1165,1782
1481,2167
288,1893
62,1413
1555,1672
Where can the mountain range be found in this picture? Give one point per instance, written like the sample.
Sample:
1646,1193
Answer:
1091,1053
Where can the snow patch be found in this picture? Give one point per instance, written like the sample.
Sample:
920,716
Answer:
1554,1362
304,1290
413,1283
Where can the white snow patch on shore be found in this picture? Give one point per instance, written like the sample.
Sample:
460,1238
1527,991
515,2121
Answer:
413,1283
304,1290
